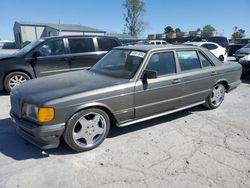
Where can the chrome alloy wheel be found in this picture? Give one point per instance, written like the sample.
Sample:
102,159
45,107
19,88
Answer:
16,80
89,130
218,94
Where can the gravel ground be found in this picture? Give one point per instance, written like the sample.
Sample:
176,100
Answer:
192,148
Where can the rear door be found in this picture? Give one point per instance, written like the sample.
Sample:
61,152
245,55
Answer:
52,58
198,75
83,54
105,44
160,94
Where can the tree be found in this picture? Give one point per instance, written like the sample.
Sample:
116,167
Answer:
208,30
178,30
238,33
169,29
134,23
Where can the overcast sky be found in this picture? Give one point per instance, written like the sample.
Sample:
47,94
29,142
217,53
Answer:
108,14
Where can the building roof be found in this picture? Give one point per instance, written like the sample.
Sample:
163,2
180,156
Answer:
63,27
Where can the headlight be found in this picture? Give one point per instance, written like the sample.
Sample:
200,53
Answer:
42,114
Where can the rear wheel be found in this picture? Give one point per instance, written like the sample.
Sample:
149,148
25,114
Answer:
215,99
15,79
87,129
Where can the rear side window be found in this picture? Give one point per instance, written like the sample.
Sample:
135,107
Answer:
204,60
209,46
81,45
188,60
158,43
162,63
106,44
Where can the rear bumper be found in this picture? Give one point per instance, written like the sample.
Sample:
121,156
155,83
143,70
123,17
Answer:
234,85
43,136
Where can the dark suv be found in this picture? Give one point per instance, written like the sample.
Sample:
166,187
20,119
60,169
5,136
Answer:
53,55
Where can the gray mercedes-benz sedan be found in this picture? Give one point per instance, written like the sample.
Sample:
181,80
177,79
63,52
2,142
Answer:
129,85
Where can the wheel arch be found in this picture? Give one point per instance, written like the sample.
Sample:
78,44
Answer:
16,70
224,82
98,105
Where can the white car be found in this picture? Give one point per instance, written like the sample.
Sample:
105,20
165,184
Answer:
157,42
216,49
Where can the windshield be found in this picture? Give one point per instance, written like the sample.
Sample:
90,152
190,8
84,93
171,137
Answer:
119,63
30,46
247,46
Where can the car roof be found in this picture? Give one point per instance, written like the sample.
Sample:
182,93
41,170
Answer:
200,43
147,48
80,36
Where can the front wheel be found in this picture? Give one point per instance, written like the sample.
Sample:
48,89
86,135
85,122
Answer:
15,79
87,129
215,99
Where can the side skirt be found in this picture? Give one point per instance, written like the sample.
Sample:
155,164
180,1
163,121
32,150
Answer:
159,115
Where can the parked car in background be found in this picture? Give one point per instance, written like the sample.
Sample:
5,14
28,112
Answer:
53,55
245,62
222,41
236,45
216,49
242,52
233,47
129,85
157,42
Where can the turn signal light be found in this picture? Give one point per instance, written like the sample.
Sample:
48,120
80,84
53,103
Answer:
45,115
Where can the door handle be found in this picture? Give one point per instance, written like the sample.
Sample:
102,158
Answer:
176,81
213,73
64,59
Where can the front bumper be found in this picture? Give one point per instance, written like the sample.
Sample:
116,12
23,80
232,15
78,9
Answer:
43,136
1,82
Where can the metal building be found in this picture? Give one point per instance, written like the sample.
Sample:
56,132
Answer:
29,31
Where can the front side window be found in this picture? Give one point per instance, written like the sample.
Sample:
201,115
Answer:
119,63
162,63
52,47
106,44
188,60
81,45
204,60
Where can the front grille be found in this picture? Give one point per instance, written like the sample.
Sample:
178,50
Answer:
15,106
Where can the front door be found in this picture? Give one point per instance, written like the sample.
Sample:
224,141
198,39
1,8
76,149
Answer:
160,94
51,58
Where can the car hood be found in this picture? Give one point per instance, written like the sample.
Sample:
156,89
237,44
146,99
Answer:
243,50
42,90
7,56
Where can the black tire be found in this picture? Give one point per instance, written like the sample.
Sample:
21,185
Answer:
209,100
221,58
8,84
72,126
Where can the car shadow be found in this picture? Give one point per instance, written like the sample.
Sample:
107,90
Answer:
15,147
246,81
3,93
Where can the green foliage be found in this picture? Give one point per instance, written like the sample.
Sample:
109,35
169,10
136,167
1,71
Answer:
134,23
178,30
169,29
208,30
238,33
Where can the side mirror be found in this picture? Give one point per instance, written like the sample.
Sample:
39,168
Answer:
36,54
149,74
